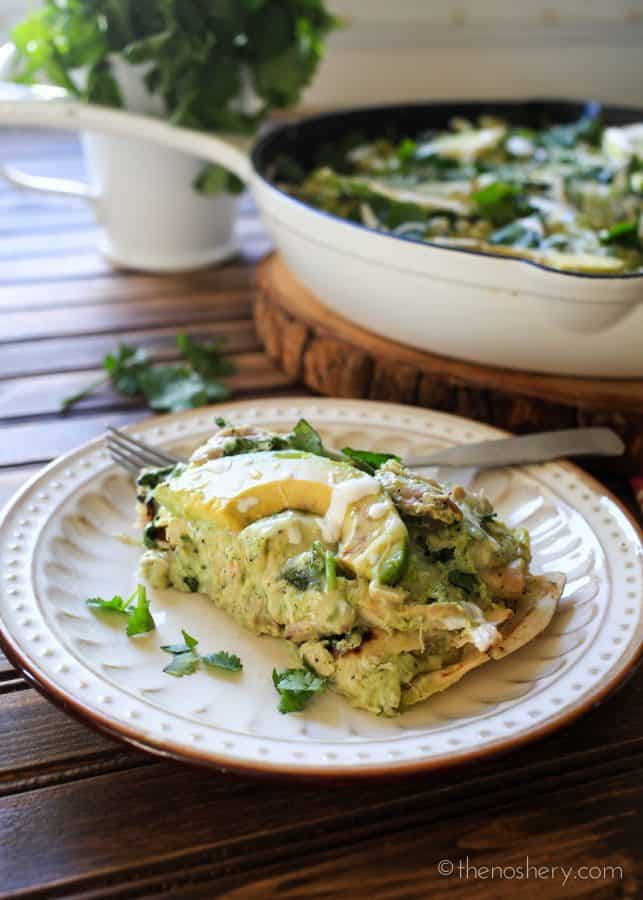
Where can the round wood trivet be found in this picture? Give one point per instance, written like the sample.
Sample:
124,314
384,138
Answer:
334,357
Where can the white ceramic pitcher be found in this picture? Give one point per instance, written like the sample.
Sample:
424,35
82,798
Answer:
151,217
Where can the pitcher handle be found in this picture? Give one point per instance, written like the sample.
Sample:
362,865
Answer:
46,107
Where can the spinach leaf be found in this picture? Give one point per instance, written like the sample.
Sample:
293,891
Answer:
501,202
304,437
368,460
625,233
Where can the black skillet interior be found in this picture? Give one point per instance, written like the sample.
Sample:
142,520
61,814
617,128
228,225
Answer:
302,140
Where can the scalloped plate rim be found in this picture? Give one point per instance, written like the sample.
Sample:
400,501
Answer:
620,672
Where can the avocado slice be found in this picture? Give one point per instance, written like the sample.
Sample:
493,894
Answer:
359,517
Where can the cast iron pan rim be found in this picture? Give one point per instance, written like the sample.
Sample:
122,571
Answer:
264,147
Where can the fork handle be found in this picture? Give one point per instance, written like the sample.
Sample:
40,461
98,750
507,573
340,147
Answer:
531,448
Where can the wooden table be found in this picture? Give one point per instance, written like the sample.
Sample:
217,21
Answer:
81,816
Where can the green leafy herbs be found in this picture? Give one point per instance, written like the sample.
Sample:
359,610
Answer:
464,580
501,202
186,659
587,129
307,570
367,459
152,534
625,233
201,58
212,179
296,687
330,571
151,477
136,608
304,437
222,660
139,617
167,387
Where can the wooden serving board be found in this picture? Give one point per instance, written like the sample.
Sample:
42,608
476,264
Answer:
332,356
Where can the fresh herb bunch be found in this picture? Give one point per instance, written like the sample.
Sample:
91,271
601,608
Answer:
202,55
169,387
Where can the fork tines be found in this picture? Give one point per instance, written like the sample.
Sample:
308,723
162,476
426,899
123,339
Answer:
133,454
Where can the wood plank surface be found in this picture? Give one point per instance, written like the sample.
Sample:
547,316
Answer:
82,816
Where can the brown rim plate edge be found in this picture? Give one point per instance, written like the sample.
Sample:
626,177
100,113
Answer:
621,673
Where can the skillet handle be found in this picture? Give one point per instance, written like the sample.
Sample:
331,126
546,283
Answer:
45,107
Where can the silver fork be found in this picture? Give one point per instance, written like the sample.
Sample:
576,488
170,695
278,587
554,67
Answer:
134,455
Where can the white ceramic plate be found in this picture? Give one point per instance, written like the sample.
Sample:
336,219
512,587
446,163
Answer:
59,543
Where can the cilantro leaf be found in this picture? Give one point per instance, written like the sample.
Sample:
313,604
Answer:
136,608
367,459
116,604
189,644
140,619
206,359
296,687
174,387
185,663
170,387
199,56
223,660
125,367
212,179
185,660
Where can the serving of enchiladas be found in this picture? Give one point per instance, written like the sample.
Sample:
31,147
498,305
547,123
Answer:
389,585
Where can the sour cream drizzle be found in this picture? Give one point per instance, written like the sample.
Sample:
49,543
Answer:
342,496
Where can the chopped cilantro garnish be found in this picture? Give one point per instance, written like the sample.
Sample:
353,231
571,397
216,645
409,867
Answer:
140,619
220,422
184,663
192,582
186,658
296,687
223,660
168,387
136,608
116,604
